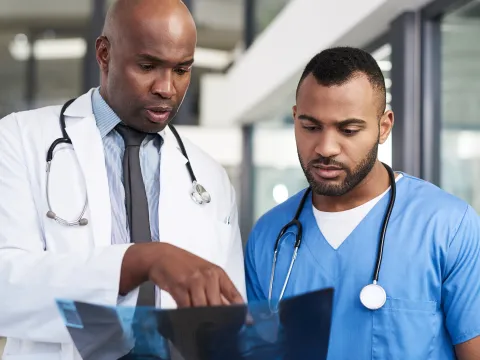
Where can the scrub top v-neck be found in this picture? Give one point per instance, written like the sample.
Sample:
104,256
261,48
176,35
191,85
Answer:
432,248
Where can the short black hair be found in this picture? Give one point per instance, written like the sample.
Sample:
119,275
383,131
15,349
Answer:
336,66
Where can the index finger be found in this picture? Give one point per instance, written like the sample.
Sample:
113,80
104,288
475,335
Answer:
229,291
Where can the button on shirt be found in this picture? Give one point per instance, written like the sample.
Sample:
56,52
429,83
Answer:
114,148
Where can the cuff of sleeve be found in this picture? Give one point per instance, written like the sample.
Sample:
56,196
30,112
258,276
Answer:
110,270
465,336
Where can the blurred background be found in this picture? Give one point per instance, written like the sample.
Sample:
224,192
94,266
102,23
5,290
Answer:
249,58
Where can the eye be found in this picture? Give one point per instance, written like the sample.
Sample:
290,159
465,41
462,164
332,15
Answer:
350,132
147,67
181,71
310,128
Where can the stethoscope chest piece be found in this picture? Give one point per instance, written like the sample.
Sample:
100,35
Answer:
199,194
373,296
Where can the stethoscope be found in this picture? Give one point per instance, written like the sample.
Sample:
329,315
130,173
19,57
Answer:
198,193
372,296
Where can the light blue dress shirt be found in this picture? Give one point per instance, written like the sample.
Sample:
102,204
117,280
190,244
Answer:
149,161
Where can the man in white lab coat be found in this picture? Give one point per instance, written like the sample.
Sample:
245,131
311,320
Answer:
191,251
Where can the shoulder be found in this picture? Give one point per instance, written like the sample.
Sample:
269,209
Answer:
264,234
30,120
27,116
435,206
269,225
431,197
283,211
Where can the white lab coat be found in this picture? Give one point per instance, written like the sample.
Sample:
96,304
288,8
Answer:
80,263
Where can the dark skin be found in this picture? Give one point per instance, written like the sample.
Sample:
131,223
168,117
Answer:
344,123
145,56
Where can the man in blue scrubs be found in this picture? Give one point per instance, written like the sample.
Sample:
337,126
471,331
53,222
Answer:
431,261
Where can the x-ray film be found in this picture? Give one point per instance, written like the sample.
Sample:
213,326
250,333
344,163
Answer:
300,329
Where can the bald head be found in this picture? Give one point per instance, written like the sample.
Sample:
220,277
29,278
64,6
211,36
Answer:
145,54
124,14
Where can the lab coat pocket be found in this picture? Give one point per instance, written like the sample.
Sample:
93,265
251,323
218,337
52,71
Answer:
404,329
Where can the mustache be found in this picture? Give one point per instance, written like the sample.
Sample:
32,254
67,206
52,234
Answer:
326,162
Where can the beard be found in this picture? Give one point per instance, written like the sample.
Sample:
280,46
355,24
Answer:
352,178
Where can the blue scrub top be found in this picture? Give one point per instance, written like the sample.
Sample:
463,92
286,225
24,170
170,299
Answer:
430,272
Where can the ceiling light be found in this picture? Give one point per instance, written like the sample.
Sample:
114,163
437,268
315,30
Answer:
385,65
47,49
50,49
212,58
75,48
382,52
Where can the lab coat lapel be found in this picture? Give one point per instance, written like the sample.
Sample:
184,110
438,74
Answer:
89,150
182,222
174,187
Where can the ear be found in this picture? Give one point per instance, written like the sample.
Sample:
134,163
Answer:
294,111
386,125
102,46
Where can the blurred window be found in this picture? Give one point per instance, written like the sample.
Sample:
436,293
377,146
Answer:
460,133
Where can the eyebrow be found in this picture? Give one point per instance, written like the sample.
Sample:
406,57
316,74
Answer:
345,122
158,60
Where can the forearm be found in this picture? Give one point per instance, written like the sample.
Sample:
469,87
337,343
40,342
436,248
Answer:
136,265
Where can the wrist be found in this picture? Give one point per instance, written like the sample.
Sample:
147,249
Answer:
153,254
136,266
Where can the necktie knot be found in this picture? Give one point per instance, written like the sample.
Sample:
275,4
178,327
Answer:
130,136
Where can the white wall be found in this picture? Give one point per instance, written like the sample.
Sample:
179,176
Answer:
263,80
212,98
224,145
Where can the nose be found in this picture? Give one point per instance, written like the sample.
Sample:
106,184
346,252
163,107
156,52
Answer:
328,145
163,85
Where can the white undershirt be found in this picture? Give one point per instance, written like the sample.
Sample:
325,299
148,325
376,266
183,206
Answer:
337,226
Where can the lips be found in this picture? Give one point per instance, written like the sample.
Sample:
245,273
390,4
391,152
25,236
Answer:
162,108
327,172
159,114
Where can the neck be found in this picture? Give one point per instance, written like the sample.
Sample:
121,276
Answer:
104,94
374,184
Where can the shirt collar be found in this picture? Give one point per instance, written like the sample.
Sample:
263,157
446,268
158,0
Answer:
107,119
104,115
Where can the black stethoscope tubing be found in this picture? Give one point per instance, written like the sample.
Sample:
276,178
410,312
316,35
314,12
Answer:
298,241
65,139
198,193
